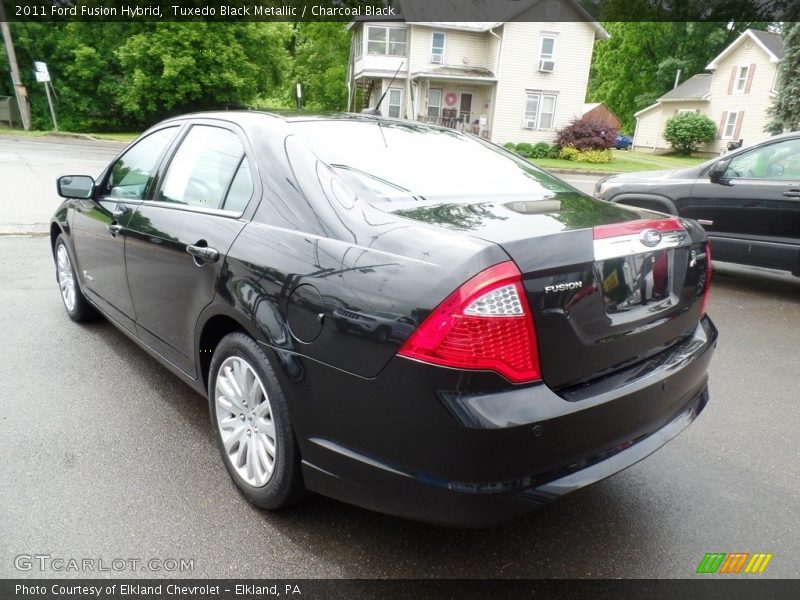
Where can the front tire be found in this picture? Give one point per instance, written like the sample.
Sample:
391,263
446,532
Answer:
75,303
251,424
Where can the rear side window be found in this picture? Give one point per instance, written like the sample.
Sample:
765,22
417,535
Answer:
202,168
241,189
133,173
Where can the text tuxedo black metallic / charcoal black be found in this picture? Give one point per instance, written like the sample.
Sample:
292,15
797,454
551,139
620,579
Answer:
396,315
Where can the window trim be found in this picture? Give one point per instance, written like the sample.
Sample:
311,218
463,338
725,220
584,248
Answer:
547,36
735,114
358,43
386,29
540,94
444,47
741,79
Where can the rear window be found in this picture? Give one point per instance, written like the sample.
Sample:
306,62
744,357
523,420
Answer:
393,160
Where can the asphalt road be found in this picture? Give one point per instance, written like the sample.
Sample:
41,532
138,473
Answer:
106,455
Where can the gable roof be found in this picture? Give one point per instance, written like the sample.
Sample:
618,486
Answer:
484,13
770,43
697,87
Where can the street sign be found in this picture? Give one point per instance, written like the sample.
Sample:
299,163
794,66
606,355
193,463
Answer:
42,74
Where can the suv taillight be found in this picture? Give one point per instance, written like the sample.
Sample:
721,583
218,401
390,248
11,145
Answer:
484,325
707,288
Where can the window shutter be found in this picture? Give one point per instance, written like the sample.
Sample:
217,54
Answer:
750,72
738,125
732,79
721,129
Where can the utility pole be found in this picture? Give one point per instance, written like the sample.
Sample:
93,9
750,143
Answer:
19,90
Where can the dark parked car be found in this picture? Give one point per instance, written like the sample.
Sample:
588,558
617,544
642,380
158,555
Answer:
623,142
537,340
748,201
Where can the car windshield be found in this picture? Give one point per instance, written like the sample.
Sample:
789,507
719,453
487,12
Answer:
392,160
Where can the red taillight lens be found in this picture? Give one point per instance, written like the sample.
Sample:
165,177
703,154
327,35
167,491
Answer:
484,325
707,288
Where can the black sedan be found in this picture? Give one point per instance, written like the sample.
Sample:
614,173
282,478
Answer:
397,315
748,201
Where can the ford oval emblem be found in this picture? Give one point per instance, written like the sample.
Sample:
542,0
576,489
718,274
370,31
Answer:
650,238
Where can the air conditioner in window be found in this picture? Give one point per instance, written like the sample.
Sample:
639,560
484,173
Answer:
547,65
437,59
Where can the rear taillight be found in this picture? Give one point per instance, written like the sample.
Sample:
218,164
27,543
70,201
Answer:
484,325
707,288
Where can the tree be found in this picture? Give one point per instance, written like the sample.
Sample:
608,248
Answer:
638,63
180,67
686,131
322,52
785,111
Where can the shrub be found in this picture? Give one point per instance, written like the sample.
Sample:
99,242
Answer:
540,150
525,150
510,146
594,156
686,131
554,151
568,153
584,134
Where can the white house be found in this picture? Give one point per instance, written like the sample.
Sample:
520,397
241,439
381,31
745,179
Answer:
516,80
736,95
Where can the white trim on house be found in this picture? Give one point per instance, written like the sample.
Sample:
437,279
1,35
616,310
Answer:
747,33
645,109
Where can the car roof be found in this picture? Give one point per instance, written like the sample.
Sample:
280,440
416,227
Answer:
242,116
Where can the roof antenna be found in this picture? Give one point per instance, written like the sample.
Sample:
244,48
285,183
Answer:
377,109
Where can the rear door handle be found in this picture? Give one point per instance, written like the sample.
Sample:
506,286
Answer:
792,194
203,253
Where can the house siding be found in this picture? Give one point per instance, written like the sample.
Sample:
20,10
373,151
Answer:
650,124
461,48
755,103
519,69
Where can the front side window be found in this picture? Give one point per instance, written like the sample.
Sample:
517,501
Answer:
437,47
133,173
540,110
434,102
741,78
395,102
730,125
775,161
202,168
547,54
389,41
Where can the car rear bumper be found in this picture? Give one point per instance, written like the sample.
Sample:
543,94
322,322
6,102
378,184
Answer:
491,456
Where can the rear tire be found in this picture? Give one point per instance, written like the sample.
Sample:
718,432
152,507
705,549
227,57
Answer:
75,303
251,424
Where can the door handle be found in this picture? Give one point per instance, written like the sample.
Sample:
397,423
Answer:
203,253
120,211
792,194
114,229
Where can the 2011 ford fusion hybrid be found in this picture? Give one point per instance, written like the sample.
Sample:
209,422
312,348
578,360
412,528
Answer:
397,315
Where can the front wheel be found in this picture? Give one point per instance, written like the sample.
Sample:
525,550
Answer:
251,424
75,303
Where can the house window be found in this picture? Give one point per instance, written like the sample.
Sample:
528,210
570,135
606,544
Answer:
395,102
388,41
437,47
434,103
540,110
547,54
741,78
730,125
358,41
686,110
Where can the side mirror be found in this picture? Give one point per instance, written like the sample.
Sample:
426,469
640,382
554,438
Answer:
75,186
717,172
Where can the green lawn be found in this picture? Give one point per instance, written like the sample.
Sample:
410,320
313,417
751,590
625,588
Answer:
624,162
117,137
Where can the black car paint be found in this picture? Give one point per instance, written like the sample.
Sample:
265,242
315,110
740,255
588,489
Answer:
748,221
376,429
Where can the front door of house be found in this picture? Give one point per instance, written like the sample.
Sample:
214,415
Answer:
465,108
